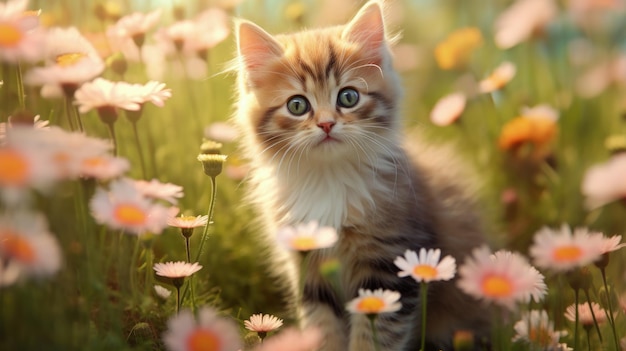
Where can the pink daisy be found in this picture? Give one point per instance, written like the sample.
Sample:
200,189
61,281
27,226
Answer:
263,323
103,93
562,250
207,332
20,37
585,314
160,191
503,277
537,329
123,206
448,109
606,182
293,340
188,222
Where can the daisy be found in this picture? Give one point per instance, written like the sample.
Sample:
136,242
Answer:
178,269
154,92
455,50
500,77
427,266
103,93
293,340
522,20
212,163
187,222
208,332
124,207
586,313
25,163
537,131
504,278
375,302
306,237
213,27
28,246
104,167
605,182
562,250
20,37
537,329
128,34
544,111
263,323
71,60
154,189
448,109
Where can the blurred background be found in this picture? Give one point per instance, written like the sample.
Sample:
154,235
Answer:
531,93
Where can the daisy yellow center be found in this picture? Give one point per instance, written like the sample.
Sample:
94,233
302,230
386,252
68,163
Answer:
497,286
70,59
93,162
425,271
16,247
540,336
567,253
130,214
203,340
370,304
9,35
13,168
304,243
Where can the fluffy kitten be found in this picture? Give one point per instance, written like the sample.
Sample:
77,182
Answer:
319,110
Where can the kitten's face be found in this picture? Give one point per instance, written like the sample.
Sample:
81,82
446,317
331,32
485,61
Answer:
322,94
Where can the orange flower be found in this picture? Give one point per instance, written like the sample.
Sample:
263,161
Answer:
455,50
520,130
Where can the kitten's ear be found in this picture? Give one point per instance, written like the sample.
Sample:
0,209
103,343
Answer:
255,46
367,28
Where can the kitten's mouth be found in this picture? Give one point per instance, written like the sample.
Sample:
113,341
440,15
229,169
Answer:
328,139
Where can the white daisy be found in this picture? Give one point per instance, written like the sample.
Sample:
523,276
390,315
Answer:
375,302
154,92
562,250
306,237
128,34
427,266
208,332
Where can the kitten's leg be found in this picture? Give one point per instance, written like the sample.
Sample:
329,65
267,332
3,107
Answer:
333,328
395,332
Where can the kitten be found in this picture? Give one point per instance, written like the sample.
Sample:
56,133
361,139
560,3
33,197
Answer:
319,111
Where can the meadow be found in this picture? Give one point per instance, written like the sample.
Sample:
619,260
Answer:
127,103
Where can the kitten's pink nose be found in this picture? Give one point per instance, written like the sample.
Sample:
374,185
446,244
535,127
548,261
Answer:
326,126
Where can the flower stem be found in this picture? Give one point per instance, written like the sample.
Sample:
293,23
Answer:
576,320
609,310
148,282
139,150
205,232
177,299
372,319
133,268
20,87
593,314
68,112
112,136
188,250
424,293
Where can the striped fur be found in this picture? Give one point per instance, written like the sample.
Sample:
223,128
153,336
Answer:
362,182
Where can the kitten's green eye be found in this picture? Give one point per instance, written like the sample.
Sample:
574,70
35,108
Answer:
348,97
298,105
